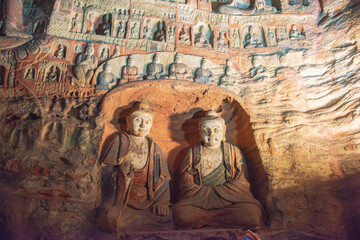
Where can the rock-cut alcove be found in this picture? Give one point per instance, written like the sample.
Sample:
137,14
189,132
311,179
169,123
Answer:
178,107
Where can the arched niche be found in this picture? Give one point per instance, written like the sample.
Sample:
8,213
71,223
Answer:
178,106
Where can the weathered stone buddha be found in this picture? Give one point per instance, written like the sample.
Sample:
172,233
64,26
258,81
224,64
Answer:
155,69
252,40
203,73
214,187
201,40
184,36
106,79
130,71
295,34
178,69
159,35
135,192
86,63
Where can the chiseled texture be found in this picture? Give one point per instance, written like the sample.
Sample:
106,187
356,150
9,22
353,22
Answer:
293,110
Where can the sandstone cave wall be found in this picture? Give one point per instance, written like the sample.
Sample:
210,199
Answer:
301,103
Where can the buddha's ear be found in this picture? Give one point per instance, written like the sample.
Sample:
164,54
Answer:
224,133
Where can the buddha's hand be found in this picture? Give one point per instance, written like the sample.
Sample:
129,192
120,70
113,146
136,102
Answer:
161,209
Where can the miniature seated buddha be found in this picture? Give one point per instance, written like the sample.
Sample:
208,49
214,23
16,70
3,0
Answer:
203,73
135,189
130,71
178,70
155,69
214,186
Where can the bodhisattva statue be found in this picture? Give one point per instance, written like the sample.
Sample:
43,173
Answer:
136,191
214,186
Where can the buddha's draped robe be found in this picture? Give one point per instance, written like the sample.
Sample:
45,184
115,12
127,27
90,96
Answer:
120,201
221,198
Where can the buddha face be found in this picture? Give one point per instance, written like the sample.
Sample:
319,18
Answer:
140,124
130,61
211,133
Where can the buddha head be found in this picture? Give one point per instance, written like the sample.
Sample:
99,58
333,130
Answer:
139,120
212,130
177,58
90,50
156,59
204,63
107,67
130,61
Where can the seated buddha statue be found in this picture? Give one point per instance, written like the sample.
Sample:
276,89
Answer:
178,70
155,69
213,186
130,71
134,177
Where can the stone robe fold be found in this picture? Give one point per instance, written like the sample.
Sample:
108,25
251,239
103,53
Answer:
202,204
117,179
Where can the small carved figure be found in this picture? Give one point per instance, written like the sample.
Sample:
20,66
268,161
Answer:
271,37
221,43
178,70
295,34
134,31
105,27
53,75
155,69
235,38
214,186
252,40
11,59
171,33
135,192
75,24
90,23
11,80
105,79
121,30
78,48
130,71
203,74
185,36
116,52
281,34
201,40
146,31
60,52
104,53
30,74
85,65
226,78
159,34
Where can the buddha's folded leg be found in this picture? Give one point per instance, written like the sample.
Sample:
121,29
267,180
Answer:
247,215
190,217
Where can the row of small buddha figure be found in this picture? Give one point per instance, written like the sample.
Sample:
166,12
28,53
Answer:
154,70
214,187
